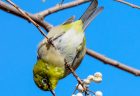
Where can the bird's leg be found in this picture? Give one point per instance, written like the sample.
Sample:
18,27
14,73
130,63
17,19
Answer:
50,41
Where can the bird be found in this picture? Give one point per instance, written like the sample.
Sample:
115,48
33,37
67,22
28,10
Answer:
66,43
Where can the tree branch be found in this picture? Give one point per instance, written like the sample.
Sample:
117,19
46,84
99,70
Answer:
47,26
112,62
129,4
25,15
58,7
10,9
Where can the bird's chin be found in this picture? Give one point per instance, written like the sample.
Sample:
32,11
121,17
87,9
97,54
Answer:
42,87
45,88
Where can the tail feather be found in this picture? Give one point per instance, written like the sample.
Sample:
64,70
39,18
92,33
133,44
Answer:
92,7
92,17
91,12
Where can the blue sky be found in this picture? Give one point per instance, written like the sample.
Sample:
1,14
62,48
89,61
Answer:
114,33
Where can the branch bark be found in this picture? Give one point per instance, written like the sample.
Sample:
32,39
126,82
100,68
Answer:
25,15
128,3
10,9
112,62
7,8
58,7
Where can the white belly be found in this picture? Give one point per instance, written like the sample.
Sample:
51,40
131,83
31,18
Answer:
68,44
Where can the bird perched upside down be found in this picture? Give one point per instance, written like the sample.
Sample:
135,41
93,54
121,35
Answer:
68,44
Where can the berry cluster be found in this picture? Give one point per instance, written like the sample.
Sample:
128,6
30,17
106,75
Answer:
97,78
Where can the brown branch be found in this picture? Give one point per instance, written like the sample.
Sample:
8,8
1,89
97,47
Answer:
28,18
58,7
129,4
25,15
47,26
112,62
75,75
10,9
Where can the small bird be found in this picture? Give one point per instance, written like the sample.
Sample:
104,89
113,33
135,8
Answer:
66,44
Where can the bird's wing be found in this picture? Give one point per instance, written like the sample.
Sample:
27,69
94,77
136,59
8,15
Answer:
58,31
70,20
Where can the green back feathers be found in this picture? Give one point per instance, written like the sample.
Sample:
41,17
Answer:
77,25
61,29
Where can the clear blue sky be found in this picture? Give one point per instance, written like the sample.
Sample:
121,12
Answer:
114,33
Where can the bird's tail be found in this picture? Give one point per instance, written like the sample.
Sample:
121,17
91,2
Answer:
91,12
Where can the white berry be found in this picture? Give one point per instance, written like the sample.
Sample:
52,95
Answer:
79,94
90,77
98,93
97,79
87,81
80,87
98,74
73,95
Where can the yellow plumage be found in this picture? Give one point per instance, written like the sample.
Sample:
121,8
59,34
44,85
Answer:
41,69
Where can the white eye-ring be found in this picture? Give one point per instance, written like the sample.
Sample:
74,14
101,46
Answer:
44,81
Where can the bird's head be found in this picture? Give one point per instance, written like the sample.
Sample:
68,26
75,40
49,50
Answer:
41,81
41,78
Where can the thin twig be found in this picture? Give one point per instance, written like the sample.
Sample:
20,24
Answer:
31,20
59,7
28,17
129,4
112,62
75,89
75,75
91,92
12,10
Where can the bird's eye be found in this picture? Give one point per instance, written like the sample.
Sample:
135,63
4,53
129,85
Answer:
44,81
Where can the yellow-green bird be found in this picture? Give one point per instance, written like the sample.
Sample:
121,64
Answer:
67,44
